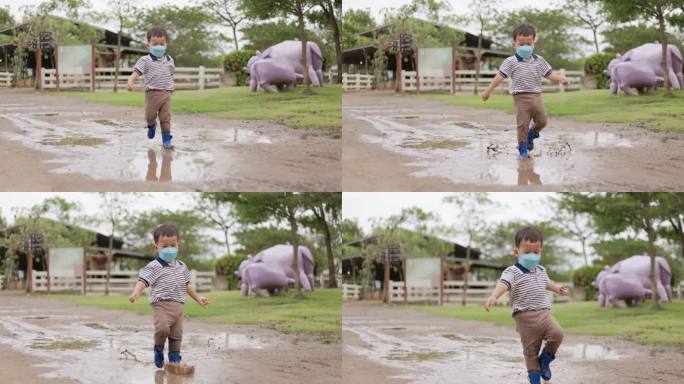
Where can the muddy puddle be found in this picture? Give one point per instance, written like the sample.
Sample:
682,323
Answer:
78,348
431,354
118,149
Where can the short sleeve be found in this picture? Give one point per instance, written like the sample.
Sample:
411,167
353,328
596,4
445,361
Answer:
186,274
148,275
545,67
506,68
140,65
508,278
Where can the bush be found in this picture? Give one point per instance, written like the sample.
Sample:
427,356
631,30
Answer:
225,268
584,276
235,62
595,65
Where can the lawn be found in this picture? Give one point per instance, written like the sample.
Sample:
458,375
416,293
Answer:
639,324
322,110
651,111
318,313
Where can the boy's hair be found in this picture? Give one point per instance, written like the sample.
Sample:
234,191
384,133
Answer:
530,234
166,230
520,30
157,32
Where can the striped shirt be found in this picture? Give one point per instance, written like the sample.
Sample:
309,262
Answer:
168,282
158,73
527,288
526,75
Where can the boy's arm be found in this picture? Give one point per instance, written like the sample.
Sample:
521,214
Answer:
556,288
139,286
201,300
556,77
499,290
495,83
131,80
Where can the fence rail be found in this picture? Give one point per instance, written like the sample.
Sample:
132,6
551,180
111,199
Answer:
478,292
465,81
119,282
356,82
351,291
5,79
184,78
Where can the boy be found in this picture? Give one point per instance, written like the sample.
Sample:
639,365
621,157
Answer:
528,282
526,70
170,281
157,67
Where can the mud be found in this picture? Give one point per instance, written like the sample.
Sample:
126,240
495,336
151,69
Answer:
393,142
86,145
62,342
415,347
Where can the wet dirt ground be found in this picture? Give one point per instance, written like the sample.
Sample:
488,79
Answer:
393,142
401,345
51,341
52,142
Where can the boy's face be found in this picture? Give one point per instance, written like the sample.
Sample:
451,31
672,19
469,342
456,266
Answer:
156,40
528,247
523,40
164,242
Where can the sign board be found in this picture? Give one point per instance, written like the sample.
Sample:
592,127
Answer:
423,272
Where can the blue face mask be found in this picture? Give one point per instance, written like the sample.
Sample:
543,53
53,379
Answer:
158,50
524,51
168,254
529,260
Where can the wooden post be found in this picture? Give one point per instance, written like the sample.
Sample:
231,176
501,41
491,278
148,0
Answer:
92,68
386,277
400,76
39,65
201,76
29,266
417,71
403,267
441,280
56,50
453,70
48,272
85,270
561,86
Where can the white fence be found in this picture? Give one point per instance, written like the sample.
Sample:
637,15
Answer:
5,79
356,82
351,291
465,82
119,282
478,292
184,78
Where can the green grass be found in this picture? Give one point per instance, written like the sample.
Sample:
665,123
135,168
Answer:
319,312
652,111
322,110
639,324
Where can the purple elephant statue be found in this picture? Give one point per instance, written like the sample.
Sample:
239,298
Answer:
260,278
281,255
614,287
286,54
633,272
646,69
266,73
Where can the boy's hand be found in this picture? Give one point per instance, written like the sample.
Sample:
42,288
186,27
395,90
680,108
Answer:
485,96
563,290
131,85
132,298
564,81
489,304
203,301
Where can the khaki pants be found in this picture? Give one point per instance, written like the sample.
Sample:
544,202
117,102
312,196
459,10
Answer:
158,103
534,327
168,324
529,106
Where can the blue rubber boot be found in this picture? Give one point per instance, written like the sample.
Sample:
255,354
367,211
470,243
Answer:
522,148
545,360
535,377
159,356
151,129
531,135
166,140
174,357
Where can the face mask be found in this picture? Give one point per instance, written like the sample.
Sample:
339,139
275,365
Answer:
158,50
524,51
529,260
168,254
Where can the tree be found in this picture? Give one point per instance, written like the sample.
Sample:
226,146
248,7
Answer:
115,213
660,10
264,10
577,224
229,11
483,13
326,207
589,13
331,10
125,14
471,207
219,213
356,21
673,214
622,38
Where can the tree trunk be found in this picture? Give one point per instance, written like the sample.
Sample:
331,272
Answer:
225,236
663,57
595,40
465,273
338,41
118,56
648,227
109,261
477,64
295,244
332,281
584,251
235,39
305,65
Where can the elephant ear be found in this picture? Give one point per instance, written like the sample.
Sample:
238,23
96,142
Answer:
257,53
